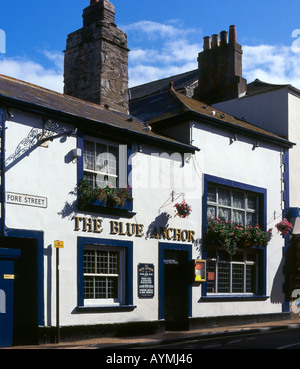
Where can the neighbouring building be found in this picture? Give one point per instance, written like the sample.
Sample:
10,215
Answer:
91,244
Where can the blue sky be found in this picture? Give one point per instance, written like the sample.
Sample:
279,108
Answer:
164,37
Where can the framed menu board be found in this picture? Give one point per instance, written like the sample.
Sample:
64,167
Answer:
146,281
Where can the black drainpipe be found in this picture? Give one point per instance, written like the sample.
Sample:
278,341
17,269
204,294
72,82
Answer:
2,167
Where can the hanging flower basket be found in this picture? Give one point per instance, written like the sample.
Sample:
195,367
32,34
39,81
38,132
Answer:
284,227
183,209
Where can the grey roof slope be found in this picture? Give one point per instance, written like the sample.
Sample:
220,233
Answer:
171,106
180,81
88,115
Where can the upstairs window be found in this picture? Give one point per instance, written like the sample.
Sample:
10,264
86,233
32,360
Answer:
101,163
230,204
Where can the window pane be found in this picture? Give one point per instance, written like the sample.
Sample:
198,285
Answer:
101,180
113,263
252,202
89,261
211,212
101,158
251,219
224,197
89,155
211,194
251,278
237,278
223,278
102,262
100,288
112,288
112,160
238,217
238,200
88,287
90,178
224,214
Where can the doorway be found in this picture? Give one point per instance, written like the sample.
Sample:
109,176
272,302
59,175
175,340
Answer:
176,297
7,287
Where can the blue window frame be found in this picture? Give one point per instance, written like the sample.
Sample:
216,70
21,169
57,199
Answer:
109,249
235,272
106,169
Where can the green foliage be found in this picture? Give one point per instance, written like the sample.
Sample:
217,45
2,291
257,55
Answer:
232,237
111,196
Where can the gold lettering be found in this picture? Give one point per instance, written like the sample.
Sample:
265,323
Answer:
163,233
154,234
139,230
184,235
87,225
177,234
130,233
191,236
114,227
121,233
168,233
98,226
77,221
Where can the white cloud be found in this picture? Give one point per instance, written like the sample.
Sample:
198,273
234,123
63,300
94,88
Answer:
272,63
160,50
33,72
154,30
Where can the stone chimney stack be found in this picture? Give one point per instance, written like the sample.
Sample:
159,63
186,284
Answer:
220,69
96,59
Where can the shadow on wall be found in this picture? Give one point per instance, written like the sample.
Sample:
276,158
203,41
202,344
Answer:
161,221
277,295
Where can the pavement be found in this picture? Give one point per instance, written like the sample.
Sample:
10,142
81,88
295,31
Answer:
166,337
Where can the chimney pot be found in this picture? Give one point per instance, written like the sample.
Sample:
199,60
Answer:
223,36
232,34
207,43
215,40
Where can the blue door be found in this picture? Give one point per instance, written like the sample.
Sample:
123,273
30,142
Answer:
7,277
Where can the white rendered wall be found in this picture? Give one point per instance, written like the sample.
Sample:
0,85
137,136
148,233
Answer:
49,172
239,161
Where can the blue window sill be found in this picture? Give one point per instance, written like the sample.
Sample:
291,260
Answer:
99,207
221,298
105,309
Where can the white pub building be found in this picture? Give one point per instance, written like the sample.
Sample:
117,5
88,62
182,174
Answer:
106,207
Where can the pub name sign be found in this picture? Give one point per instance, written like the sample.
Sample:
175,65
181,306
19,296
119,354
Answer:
95,225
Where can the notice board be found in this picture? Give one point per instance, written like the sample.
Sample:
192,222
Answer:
146,281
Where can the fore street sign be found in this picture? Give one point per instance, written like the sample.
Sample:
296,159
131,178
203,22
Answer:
26,200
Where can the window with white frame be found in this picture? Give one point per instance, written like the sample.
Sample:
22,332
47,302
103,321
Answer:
100,163
231,204
103,275
236,274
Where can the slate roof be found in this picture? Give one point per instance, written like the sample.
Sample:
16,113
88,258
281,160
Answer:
259,86
19,94
170,105
180,81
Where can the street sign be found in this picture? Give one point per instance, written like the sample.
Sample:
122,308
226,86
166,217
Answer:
59,244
